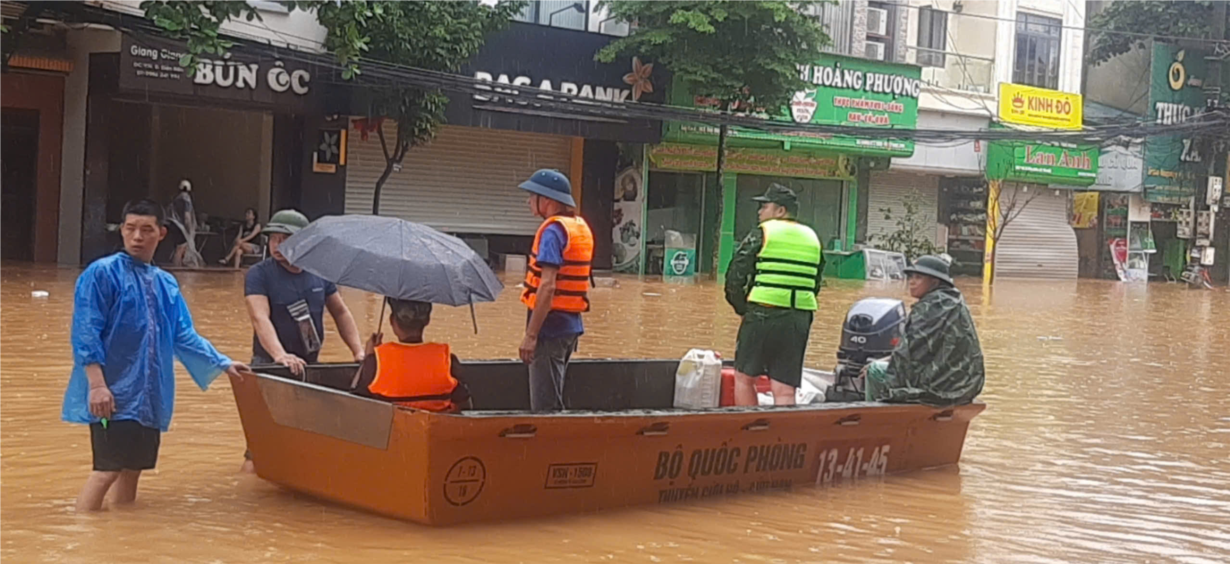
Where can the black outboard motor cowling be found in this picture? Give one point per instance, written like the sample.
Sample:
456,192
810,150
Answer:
873,327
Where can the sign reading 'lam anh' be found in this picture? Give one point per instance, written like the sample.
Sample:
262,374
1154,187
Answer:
1042,163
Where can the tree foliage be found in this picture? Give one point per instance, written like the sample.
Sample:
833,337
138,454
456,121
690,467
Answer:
1170,18
742,54
912,235
430,35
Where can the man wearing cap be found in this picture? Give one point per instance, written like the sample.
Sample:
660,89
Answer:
938,360
772,283
286,306
556,287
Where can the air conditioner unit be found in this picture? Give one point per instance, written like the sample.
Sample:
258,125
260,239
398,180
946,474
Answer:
877,21
875,50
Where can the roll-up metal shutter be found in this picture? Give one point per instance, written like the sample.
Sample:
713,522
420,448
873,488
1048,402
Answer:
465,181
889,189
1039,243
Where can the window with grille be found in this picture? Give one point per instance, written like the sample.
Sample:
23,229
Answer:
569,14
1037,51
932,37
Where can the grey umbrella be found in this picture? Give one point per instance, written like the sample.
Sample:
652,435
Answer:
394,258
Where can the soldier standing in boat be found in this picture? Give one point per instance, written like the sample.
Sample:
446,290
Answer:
556,287
772,283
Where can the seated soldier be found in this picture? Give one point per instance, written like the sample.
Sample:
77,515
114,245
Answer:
938,360
410,372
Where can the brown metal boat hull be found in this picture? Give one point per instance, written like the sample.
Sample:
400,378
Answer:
440,469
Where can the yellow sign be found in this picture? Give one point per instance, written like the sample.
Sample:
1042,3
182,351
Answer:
1084,210
1027,105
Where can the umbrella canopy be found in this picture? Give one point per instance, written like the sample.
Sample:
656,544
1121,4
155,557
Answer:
394,258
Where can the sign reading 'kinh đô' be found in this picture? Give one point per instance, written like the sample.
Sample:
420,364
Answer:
1029,105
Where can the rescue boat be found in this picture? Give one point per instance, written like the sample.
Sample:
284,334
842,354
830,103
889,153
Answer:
622,444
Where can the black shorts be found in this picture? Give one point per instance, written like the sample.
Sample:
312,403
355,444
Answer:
774,346
124,445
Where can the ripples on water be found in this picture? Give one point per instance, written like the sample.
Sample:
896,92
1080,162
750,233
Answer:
1105,440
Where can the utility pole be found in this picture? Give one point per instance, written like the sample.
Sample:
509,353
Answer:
1214,148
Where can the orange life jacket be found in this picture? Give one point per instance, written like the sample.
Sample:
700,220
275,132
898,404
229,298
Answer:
572,281
415,375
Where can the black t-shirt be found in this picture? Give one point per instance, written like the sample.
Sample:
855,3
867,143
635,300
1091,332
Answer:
284,289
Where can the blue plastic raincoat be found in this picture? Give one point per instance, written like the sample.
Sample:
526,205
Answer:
130,318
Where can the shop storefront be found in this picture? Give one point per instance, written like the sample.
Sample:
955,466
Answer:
240,131
1031,184
683,195
33,112
1176,172
1105,213
465,181
945,187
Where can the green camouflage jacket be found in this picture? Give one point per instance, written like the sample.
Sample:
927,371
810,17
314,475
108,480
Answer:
939,360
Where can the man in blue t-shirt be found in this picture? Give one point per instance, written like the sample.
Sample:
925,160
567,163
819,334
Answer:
287,305
556,288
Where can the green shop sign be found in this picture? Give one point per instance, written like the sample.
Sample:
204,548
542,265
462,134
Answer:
1043,163
844,91
772,162
1176,95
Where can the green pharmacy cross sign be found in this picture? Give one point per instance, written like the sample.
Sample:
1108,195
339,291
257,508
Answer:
1043,163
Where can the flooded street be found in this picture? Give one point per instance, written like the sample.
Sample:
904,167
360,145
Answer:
1106,438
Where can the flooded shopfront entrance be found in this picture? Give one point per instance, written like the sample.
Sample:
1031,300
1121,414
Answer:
1106,438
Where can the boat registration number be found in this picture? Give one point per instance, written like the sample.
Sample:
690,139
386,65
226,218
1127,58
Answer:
852,463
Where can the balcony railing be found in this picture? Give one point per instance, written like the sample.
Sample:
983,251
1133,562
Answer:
954,71
568,14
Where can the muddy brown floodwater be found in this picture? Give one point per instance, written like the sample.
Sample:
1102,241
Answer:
1107,438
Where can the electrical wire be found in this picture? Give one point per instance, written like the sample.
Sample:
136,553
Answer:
379,74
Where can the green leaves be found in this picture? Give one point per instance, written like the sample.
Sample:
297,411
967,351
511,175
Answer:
1176,19
739,53
911,237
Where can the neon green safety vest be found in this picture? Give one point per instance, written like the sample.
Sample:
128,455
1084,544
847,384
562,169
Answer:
787,267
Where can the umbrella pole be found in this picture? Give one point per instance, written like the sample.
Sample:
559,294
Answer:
380,320
473,318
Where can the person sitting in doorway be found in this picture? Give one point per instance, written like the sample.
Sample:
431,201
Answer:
245,241
410,372
938,360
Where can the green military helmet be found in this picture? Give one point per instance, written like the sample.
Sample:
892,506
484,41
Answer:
286,222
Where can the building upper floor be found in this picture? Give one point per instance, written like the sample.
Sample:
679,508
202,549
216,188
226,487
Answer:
278,25
965,47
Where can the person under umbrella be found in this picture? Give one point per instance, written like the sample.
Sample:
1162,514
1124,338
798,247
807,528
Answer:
409,371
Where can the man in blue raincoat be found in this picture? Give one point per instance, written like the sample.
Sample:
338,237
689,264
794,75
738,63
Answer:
129,323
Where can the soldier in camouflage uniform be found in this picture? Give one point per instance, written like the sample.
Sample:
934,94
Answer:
938,360
772,283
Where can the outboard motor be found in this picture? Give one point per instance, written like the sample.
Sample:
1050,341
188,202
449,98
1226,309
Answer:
873,327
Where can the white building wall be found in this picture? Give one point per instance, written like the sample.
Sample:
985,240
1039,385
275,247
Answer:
286,28
81,43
